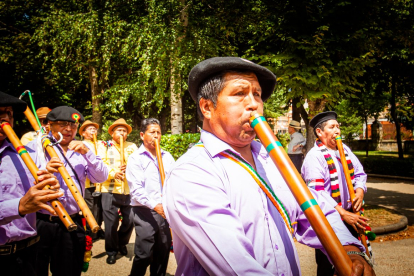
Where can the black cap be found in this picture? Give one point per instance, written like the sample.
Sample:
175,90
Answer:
65,113
322,117
212,66
18,106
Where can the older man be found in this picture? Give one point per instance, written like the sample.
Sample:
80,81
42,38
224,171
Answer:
63,250
88,131
115,191
153,237
323,171
32,135
19,199
222,222
297,142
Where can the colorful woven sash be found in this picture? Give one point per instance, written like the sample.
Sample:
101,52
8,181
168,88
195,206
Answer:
336,194
260,181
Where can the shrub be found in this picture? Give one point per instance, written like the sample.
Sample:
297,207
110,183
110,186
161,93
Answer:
388,166
177,144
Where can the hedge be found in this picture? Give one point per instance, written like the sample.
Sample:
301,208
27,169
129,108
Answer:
388,166
177,144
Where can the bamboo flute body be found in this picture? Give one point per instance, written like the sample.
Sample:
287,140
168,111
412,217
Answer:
303,196
159,159
121,150
350,186
86,212
95,143
30,164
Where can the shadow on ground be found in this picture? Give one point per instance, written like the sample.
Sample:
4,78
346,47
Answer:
385,195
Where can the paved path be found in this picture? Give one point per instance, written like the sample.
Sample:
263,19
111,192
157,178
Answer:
391,257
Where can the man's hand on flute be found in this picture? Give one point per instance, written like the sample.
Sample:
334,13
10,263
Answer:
358,200
36,198
78,146
159,209
53,165
359,265
353,219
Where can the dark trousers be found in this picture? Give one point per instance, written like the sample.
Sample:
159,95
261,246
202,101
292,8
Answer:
21,263
152,242
63,250
114,238
297,160
324,267
95,205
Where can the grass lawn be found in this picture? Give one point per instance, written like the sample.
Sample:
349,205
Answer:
382,154
387,163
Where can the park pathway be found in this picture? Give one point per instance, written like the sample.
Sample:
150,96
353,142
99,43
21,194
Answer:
391,257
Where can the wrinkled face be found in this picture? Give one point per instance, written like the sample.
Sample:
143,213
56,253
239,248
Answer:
118,133
153,132
67,129
327,136
229,120
6,115
89,132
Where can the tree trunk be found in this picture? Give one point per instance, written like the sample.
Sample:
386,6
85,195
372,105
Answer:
176,101
96,91
296,109
366,136
395,119
315,107
176,108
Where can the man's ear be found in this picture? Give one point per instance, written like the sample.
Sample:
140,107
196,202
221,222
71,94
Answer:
206,106
318,132
141,134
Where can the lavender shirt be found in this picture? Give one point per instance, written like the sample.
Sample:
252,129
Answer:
15,181
85,165
143,177
223,223
315,167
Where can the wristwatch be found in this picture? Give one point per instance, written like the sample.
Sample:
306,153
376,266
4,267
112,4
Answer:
363,255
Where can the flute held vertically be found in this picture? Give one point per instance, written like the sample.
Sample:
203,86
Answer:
30,164
159,159
86,212
303,196
350,186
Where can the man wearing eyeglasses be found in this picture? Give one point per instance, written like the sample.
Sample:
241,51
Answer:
63,250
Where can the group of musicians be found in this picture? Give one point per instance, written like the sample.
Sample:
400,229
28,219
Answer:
225,203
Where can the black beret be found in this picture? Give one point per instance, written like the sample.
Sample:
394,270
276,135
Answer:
322,117
18,106
212,66
65,113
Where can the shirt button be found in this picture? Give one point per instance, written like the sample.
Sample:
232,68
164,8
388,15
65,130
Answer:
277,247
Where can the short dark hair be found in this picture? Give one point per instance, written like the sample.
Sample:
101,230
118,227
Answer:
211,87
149,121
321,126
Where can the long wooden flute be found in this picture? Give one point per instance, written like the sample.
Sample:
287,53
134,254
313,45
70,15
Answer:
86,212
30,164
159,159
350,186
303,196
95,143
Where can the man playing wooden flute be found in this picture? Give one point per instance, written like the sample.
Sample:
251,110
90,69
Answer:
88,130
19,199
223,223
322,170
153,236
63,250
115,191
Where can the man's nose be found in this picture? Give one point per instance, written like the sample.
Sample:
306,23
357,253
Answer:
253,104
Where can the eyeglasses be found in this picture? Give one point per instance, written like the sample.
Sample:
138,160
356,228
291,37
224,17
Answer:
66,124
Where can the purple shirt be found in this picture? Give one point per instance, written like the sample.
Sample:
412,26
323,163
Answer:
224,224
86,166
15,181
143,177
315,167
